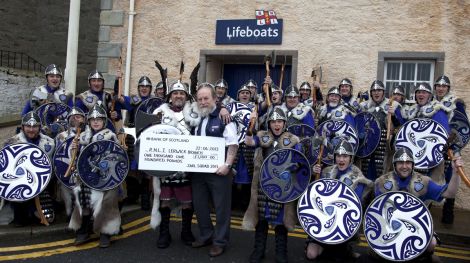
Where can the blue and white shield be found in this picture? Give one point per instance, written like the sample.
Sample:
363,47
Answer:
329,211
426,138
336,131
460,131
398,226
241,114
302,130
25,171
285,175
103,165
53,115
61,160
368,129
149,105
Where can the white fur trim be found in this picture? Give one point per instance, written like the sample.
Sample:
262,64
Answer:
156,217
96,200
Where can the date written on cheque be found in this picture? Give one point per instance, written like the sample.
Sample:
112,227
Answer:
206,148
201,165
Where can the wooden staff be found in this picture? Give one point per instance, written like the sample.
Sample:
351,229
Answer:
460,170
73,158
266,86
282,72
252,122
314,88
320,154
389,120
37,203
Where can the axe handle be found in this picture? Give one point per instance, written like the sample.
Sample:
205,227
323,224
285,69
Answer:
282,76
37,203
74,155
266,86
252,123
460,170
320,154
389,121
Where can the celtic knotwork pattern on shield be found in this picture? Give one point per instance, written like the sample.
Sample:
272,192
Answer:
426,138
336,131
368,129
329,211
241,115
398,226
460,131
285,174
62,158
103,165
25,171
302,130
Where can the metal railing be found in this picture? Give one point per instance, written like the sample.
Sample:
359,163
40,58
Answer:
19,60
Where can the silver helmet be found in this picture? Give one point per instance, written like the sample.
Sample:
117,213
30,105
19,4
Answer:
424,86
377,85
344,147
251,83
292,91
95,74
97,112
402,155
399,90
76,111
345,81
334,90
144,81
305,85
53,69
275,88
443,80
178,85
159,85
221,83
244,87
277,114
31,119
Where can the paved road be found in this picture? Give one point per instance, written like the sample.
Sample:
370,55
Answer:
138,244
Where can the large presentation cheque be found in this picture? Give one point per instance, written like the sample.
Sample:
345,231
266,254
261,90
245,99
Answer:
186,153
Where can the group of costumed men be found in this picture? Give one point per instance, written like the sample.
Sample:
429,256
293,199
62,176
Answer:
208,110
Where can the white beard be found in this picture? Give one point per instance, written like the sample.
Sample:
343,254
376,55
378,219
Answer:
332,104
205,112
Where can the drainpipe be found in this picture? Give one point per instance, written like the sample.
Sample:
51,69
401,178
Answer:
72,47
130,31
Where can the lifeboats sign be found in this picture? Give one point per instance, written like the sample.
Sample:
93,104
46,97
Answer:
265,29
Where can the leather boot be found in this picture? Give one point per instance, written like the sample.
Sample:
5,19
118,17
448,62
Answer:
448,211
281,243
164,239
83,233
145,194
261,235
186,233
105,240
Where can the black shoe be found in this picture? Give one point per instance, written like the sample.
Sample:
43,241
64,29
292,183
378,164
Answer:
81,239
448,211
281,244
105,240
199,243
164,239
186,234
260,242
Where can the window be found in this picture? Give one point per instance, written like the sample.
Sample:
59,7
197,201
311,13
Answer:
408,73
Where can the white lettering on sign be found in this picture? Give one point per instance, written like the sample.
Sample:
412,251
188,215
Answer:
247,32
185,153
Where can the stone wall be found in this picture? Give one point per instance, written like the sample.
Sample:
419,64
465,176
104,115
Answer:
39,29
344,37
15,87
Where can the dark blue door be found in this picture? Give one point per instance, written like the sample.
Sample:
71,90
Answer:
238,74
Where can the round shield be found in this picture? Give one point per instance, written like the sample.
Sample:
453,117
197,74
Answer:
149,105
25,171
301,130
151,132
335,131
53,115
368,131
103,165
241,115
329,211
311,148
285,175
426,138
61,159
460,131
398,226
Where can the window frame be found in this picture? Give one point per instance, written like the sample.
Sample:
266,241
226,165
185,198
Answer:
415,81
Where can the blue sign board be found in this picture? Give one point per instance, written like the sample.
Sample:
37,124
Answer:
247,32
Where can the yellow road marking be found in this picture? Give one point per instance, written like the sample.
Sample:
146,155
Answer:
236,224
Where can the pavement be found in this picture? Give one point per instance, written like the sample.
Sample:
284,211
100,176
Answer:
456,234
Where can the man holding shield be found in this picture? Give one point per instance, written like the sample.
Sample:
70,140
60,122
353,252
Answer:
178,111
